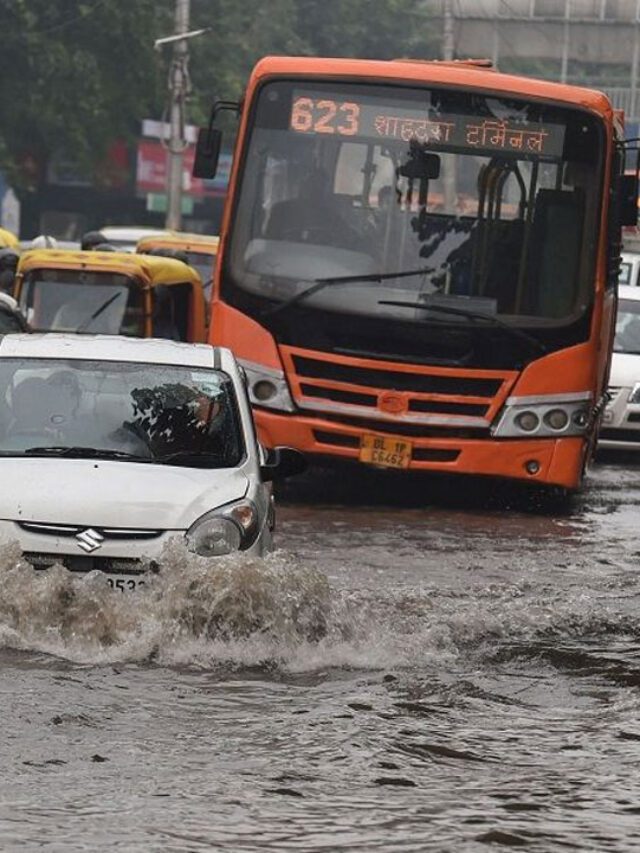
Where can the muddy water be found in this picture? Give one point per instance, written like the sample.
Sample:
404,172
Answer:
405,675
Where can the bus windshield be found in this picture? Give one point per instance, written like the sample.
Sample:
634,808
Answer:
492,201
78,301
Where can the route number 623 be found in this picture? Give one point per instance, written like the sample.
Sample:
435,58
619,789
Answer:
325,116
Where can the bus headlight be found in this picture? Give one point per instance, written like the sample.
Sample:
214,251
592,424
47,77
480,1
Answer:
231,528
549,416
267,387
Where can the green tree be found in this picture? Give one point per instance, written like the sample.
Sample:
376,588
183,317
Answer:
76,75
241,33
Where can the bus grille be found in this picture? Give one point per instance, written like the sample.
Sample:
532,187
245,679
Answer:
397,396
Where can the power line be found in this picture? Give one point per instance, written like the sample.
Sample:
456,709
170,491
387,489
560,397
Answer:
69,22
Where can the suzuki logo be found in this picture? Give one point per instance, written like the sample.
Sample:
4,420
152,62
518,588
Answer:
89,540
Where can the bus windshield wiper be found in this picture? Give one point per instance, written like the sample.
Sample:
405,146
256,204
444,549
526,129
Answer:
85,453
472,315
320,283
89,320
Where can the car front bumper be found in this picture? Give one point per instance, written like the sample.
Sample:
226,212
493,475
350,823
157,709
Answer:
620,428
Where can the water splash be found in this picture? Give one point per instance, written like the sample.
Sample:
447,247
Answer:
239,611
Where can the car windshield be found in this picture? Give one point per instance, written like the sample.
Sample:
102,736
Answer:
79,301
495,199
627,338
145,412
624,276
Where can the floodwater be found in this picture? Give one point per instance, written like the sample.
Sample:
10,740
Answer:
405,674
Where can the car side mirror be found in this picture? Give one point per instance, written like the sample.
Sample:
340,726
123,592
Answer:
208,147
282,462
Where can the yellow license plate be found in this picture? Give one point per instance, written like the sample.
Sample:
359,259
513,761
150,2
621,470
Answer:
387,452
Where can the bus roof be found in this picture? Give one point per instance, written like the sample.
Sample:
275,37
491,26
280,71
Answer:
460,74
151,269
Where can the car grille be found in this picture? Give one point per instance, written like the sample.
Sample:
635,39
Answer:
114,533
113,565
378,394
620,435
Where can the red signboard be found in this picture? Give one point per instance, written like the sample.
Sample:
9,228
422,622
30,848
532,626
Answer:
151,172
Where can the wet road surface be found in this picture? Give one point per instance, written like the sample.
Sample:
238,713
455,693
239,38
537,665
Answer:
425,673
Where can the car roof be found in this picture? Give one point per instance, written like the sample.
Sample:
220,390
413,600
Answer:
114,348
629,291
128,232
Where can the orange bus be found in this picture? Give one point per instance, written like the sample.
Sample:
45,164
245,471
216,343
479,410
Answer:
418,263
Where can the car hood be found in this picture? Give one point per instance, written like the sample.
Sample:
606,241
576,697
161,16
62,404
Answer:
104,493
625,370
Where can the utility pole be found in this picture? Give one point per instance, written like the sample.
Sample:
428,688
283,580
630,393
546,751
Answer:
566,36
178,85
449,160
447,31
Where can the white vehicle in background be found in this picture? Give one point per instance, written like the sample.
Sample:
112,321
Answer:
629,269
109,447
620,428
125,238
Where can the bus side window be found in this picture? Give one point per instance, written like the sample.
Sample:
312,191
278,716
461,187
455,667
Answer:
555,251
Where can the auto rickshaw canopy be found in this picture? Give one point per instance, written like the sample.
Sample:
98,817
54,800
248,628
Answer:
181,240
149,270
171,299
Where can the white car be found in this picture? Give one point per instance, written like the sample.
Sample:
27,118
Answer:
621,420
125,238
629,268
109,447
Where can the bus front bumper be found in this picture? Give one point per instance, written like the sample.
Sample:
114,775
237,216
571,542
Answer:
548,461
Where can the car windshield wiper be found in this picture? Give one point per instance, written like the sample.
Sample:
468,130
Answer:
199,457
89,320
320,283
85,453
472,315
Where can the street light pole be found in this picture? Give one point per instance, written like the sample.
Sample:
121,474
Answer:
178,81
449,160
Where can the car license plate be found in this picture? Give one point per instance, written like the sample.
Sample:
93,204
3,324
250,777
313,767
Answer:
126,583
386,452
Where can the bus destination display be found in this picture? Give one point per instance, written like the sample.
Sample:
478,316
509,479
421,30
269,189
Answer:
332,114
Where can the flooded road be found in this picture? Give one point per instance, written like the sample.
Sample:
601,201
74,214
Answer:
397,677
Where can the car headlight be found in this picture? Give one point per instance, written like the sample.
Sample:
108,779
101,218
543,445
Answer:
634,396
267,387
230,528
552,416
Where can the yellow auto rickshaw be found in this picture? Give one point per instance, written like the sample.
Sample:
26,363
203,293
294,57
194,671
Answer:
201,251
113,293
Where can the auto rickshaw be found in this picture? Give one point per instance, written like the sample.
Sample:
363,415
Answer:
113,293
201,251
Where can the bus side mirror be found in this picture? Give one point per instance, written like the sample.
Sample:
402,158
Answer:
628,199
282,462
208,147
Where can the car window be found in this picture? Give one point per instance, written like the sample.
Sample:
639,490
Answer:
149,411
627,337
624,276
